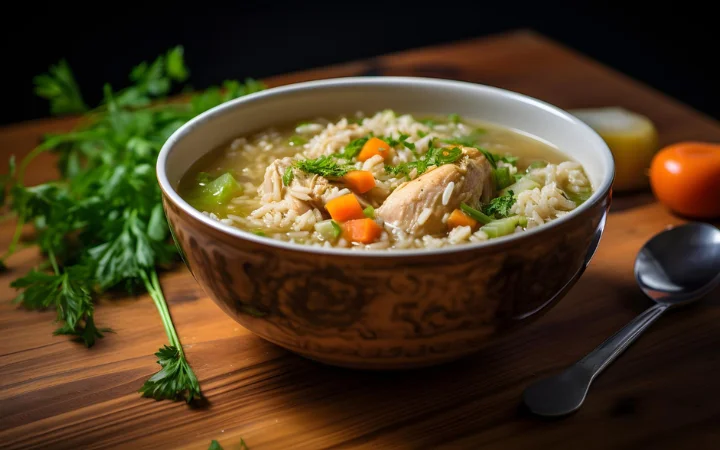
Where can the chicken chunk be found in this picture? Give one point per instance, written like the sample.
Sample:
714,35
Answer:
302,194
408,206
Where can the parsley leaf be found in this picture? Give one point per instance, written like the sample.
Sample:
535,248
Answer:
400,141
69,293
288,176
500,207
128,251
434,157
325,166
175,372
60,88
353,148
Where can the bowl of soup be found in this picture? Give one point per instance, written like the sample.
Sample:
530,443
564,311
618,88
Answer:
385,222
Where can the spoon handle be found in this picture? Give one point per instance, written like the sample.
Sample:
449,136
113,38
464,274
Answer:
606,352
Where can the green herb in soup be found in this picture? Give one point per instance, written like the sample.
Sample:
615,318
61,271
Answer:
386,181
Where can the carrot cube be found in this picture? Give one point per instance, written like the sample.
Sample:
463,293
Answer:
359,181
364,231
343,208
460,219
372,147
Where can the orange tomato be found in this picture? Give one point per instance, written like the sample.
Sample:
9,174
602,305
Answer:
685,177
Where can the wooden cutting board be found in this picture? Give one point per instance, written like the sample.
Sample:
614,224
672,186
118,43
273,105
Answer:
661,393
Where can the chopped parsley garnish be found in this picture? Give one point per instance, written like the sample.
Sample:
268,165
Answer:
400,141
500,207
288,176
353,148
454,118
325,166
421,134
433,157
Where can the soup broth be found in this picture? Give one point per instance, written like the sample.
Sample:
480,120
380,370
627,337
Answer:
385,181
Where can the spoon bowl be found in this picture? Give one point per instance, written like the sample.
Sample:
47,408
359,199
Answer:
680,265
676,267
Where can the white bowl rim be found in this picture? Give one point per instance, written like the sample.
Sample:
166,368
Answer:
600,192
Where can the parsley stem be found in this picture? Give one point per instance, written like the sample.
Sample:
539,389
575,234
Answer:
15,239
158,289
152,284
53,261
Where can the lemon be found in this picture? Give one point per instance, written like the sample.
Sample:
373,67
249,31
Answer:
632,138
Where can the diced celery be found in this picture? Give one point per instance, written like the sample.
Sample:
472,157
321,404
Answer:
503,178
328,229
222,188
213,194
503,227
523,184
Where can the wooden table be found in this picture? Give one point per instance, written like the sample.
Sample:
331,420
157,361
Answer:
661,393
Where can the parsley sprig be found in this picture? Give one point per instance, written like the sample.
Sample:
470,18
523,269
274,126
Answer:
501,206
353,148
101,225
326,166
435,156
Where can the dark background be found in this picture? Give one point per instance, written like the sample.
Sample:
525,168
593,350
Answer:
674,49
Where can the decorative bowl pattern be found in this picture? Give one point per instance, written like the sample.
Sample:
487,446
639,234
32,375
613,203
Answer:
381,309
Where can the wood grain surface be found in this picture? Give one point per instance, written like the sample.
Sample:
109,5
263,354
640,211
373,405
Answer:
660,394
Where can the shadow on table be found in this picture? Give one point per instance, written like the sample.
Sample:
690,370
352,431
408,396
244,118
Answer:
478,398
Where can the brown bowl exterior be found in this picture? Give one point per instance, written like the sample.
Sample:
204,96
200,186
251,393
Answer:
387,312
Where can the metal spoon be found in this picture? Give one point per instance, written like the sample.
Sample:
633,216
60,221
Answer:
676,267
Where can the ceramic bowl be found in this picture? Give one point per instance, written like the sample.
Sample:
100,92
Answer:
385,309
